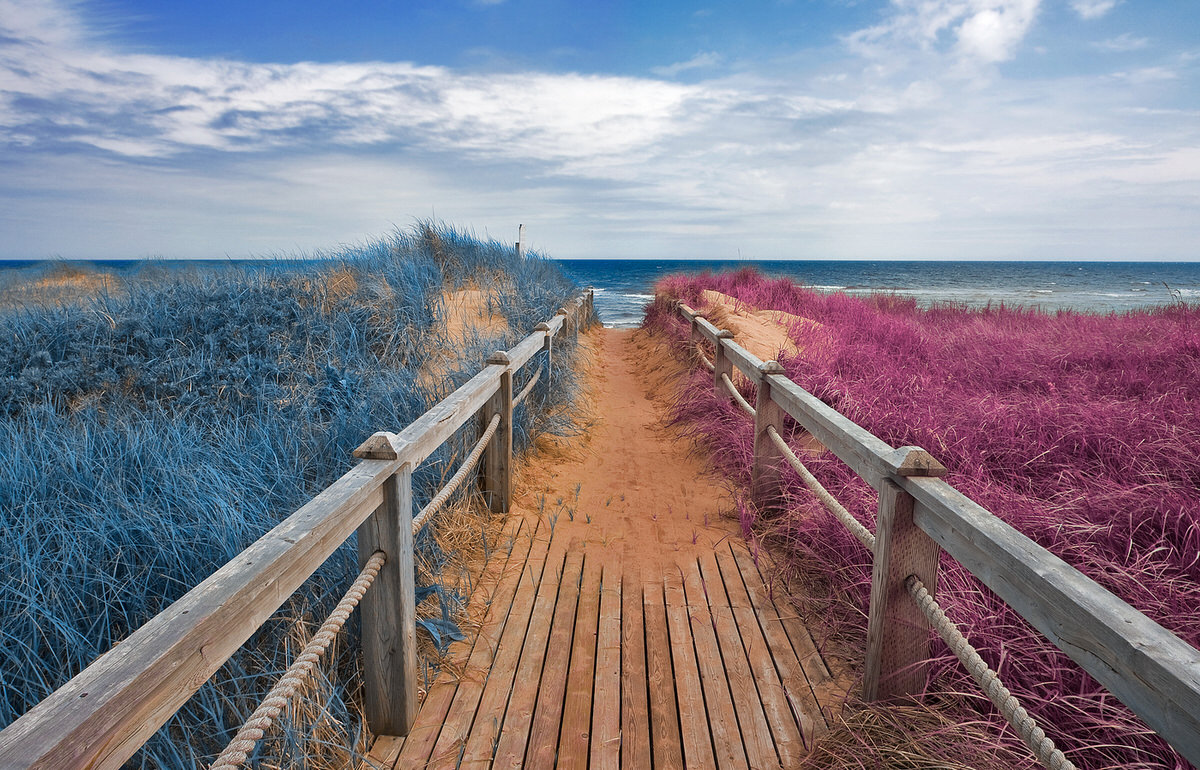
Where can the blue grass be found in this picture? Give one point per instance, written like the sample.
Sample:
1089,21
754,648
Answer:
149,434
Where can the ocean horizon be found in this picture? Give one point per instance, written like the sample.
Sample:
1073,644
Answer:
624,286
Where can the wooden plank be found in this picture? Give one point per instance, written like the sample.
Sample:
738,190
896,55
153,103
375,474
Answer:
664,715
722,710
521,353
747,703
745,361
867,455
429,431
574,739
687,311
1152,671
107,711
547,715
449,710
808,680
766,487
787,724
500,678
514,733
898,634
694,732
606,701
385,751
635,708
495,470
710,332
388,611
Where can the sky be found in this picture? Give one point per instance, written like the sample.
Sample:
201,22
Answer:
781,129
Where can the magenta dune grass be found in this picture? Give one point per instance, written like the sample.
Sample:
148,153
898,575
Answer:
1079,430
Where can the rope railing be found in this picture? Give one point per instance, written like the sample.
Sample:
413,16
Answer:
737,397
864,535
708,364
1033,736
468,465
525,391
238,750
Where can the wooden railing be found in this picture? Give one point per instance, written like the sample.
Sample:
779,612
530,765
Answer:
104,714
1152,671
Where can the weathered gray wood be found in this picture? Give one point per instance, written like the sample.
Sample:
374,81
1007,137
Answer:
866,454
722,366
1152,671
746,362
104,714
898,634
710,332
429,431
389,612
688,312
766,474
495,472
523,351
520,241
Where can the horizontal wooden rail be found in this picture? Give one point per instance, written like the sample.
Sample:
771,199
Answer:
1152,671
106,712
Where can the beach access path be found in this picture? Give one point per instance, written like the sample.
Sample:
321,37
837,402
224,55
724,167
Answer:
623,620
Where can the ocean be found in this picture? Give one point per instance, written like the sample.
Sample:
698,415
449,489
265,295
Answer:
624,286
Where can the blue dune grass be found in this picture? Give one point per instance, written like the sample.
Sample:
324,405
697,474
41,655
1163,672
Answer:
149,434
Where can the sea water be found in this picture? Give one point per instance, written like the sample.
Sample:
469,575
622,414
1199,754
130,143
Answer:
624,286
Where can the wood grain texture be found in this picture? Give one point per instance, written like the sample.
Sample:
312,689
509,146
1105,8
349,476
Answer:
547,716
635,706
766,474
388,612
1152,671
494,702
898,634
101,717
574,741
660,678
693,719
606,703
743,360
495,470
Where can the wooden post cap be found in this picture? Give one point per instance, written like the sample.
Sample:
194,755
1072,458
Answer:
380,446
499,357
724,334
915,461
542,327
770,367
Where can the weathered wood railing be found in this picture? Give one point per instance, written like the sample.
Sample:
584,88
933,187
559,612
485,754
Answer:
1152,671
106,712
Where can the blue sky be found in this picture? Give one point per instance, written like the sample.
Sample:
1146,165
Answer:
868,129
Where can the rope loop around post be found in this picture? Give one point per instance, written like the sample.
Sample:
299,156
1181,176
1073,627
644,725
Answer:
1033,736
238,750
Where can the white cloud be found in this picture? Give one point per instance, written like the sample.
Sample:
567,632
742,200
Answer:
984,30
108,153
1093,9
1123,43
704,60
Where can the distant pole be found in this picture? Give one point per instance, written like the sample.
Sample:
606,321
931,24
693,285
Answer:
520,241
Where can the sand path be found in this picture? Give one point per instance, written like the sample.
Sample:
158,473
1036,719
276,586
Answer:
629,486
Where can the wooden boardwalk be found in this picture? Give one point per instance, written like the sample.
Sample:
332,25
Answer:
581,662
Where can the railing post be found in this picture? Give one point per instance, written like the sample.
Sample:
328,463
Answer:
765,486
722,365
389,611
898,635
495,472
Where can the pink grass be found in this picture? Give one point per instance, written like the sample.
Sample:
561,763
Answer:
1080,430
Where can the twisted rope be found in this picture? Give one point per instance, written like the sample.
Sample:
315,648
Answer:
704,359
260,721
468,465
525,390
1032,735
737,397
864,535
